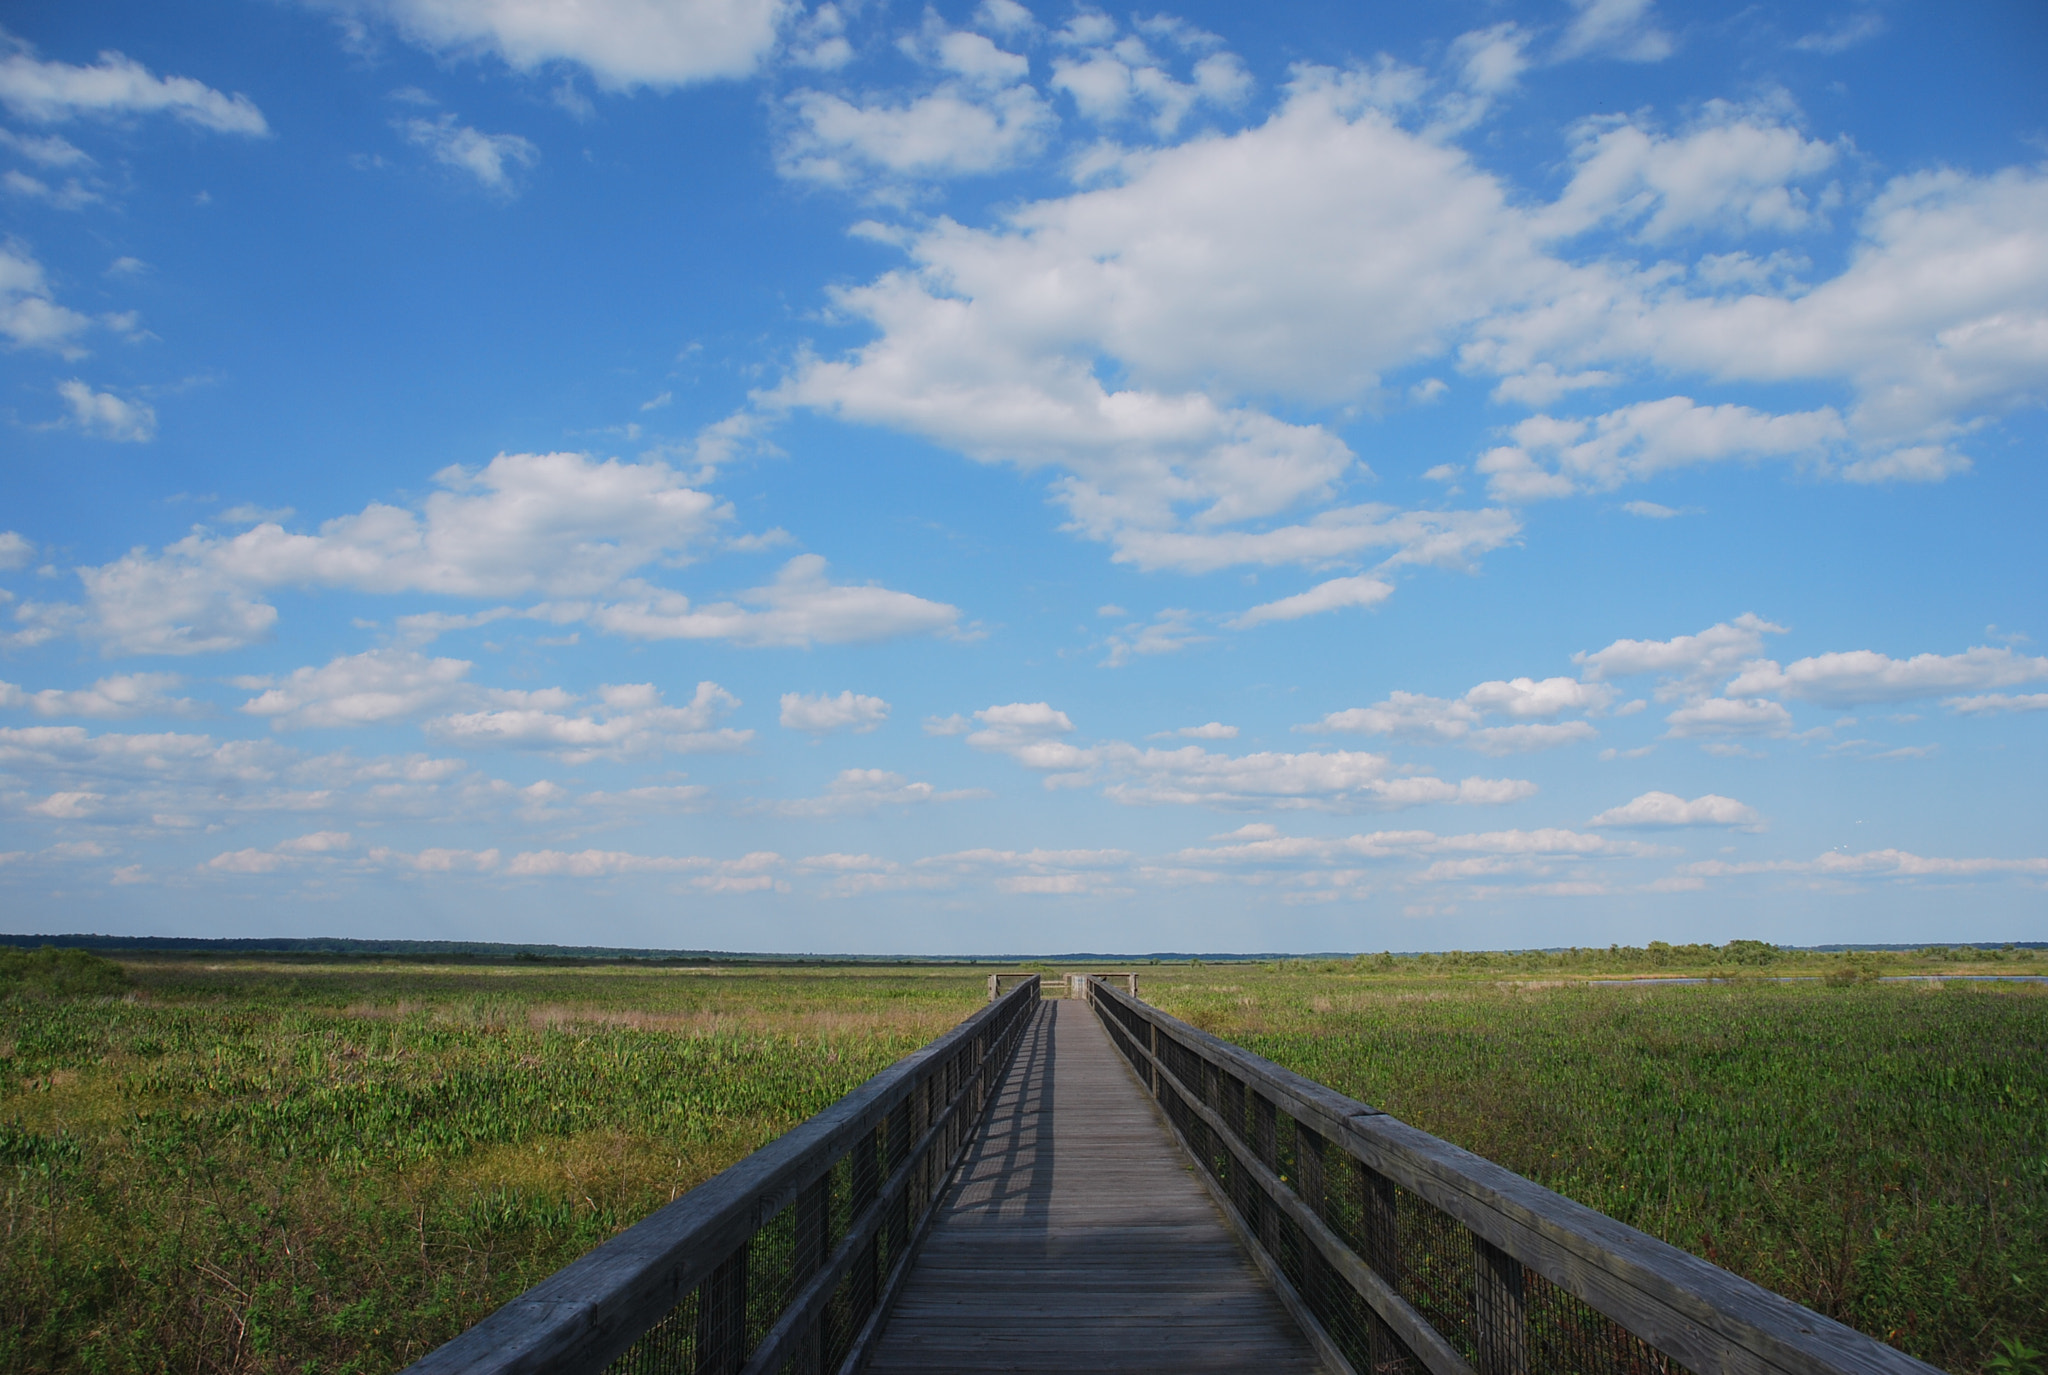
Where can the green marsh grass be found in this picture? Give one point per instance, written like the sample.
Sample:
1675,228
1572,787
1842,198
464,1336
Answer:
277,1166
1876,1151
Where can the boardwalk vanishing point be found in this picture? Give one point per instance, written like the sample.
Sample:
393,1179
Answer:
1077,1237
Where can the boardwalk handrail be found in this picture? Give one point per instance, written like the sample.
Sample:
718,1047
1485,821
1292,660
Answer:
788,1260
1397,1251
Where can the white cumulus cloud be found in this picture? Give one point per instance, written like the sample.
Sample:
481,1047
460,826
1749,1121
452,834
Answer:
1669,809
820,713
359,689
621,43
492,159
29,314
107,416
121,694
800,607
1034,734
627,719
49,92
1864,675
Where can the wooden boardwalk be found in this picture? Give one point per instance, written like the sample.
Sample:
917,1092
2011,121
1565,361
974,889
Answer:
1077,1237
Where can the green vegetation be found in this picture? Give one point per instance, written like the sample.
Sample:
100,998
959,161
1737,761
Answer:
52,973
234,1162
281,1166
1876,1151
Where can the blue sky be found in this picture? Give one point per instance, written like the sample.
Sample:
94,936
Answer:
724,473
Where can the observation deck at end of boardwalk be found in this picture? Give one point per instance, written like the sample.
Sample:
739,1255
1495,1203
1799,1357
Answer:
1092,1184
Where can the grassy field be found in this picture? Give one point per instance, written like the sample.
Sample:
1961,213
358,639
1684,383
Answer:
1877,1151
292,1166
249,1164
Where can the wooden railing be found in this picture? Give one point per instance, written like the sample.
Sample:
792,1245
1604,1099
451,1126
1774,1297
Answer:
788,1261
995,981
1398,1252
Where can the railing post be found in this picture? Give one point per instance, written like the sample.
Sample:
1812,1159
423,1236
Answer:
1499,1310
1266,1142
722,1316
813,1244
1379,1246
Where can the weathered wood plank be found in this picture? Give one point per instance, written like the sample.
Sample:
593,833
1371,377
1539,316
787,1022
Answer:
1076,1237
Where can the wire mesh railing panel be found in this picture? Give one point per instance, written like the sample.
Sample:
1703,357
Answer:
1436,1268
667,1348
1568,1336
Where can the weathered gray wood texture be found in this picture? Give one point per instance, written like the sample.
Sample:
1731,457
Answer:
1076,1237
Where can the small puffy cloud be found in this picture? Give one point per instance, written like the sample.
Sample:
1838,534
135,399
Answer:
248,862
628,719
821,714
621,43
800,607
1864,675
1992,703
1026,731
1528,698
751,873
1032,734
1649,510
954,131
1526,701
51,92
1328,596
1490,61
652,799
29,315
1643,440
16,550
1523,739
819,40
1056,873
1406,715
1169,632
490,158
107,416
318,843
1214,730
857,791
72,195
1689,664
1624,29
53,150
435,860
1668,809
122,694
359,689
1842,35
1006,17
1729,716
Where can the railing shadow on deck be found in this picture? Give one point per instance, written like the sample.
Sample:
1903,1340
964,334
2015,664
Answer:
784,1263
1400,1253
